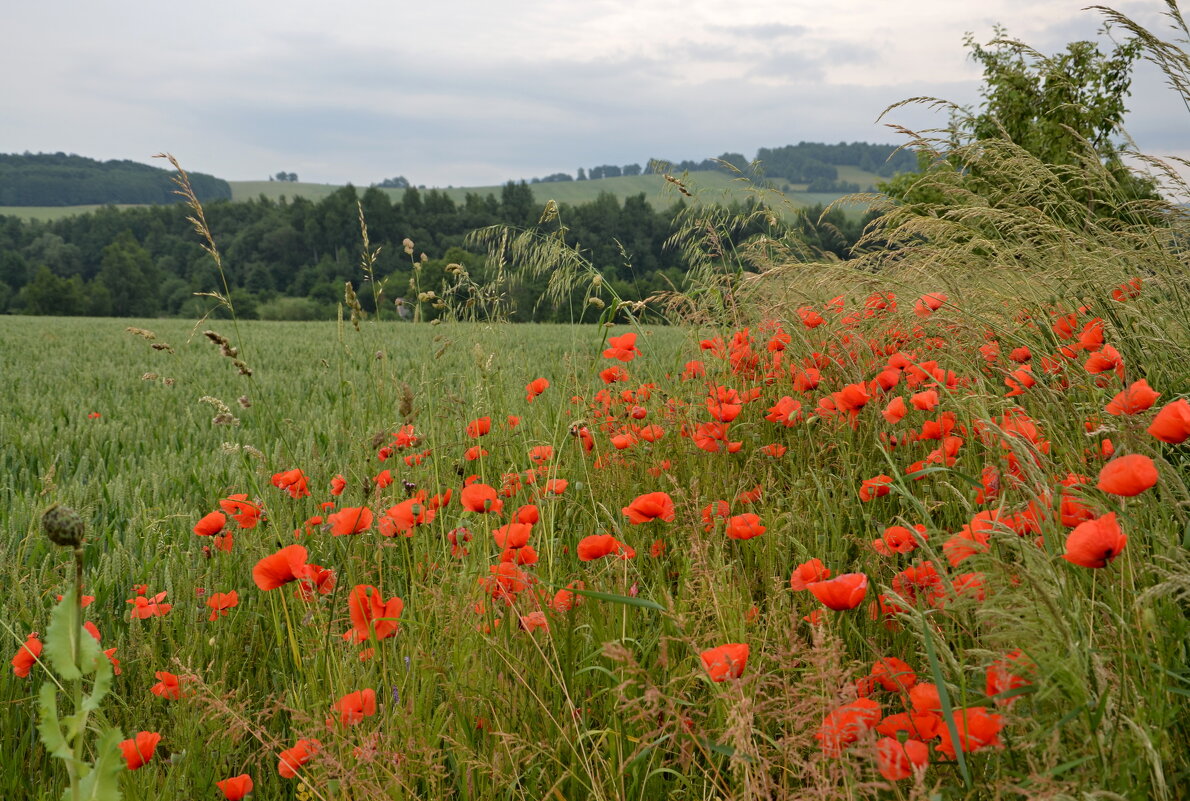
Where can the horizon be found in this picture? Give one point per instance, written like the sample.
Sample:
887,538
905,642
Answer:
468,94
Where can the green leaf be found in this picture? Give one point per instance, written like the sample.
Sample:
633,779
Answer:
103,683
102,783
59,650
944,697
627,600
48,725
725,750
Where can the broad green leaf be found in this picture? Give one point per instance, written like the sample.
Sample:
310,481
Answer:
611,597
103,683
48,725
58,649
102,783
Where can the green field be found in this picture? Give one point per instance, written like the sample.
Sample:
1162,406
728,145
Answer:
712,185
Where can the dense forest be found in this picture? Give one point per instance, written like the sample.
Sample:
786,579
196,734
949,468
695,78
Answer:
58,179
290,259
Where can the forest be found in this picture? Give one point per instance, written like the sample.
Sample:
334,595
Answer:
58,179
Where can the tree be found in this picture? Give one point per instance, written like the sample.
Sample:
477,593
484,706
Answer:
582,174
128,272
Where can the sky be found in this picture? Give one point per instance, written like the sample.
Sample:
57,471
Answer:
477,92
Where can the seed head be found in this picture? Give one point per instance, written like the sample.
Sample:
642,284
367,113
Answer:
63,526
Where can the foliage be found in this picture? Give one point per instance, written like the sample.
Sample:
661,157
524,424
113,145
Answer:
57,179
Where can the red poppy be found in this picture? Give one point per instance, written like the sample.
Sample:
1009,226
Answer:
846,724
210,524
899,539
350,520
144,608
480,498
929,303
139,750
786,411
338,484
1138,397
841,593
976,727
1128,475
292,481
535,388
895,410
1096,542
565,600
726,661
1172,423
512,535
724,404
220,602
246,514
286,565
235,788
808,573
896,760
354,707
893,675
479,427
598,546
168,685
745,526
876,487
406,516
371,615
291,759
650,506
1003,675
925,401
26,656
622,348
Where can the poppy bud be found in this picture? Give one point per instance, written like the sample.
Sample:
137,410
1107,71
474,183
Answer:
63,526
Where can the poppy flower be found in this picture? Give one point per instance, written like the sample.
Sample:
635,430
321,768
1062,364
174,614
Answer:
566,599
479,427
338,484
598,546
726,661
371,615
893,675
1096,542
622,348
895,410
286,565
899,539
896,760
724,404
841,593
556,486
535,388
139,750
168,685
808,573
245,513
505,581
405,516
144,608
650,506
541,454
1128,475
1138,397
745,526
613,374
929,303
976,727
846,724
210,524
712,437
876,487
512,535
1172,423
480,498
314,579
350,520
1003,675
292,481
220,602
786,411
353,707
291,759
26,656
235,788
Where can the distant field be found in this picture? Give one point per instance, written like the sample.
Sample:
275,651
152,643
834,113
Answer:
659,193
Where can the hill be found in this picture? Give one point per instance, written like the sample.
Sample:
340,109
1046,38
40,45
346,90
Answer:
58,179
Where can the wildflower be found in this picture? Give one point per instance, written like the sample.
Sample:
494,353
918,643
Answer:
235,788
876,487
479,427
598,546
896,760
1128,475
26,656
724,404
1003,676
144,608
726,661
221,602
354,707
338,484
139,750
480,498
350,520
622,348
650,506
535,388
895,410
1096,542
371,615
512,535
533,621
744,527
1172,423
210,524
292,481
168,685
808,573
841,593
405,516
565,600
929,303
286,565
1138,397
786,411
846,724
893,675
977,729
898,539
245,513
291,759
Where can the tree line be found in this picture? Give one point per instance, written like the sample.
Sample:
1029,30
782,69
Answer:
58,179
289,259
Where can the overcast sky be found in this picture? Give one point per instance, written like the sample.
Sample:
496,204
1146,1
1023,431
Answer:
473,92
